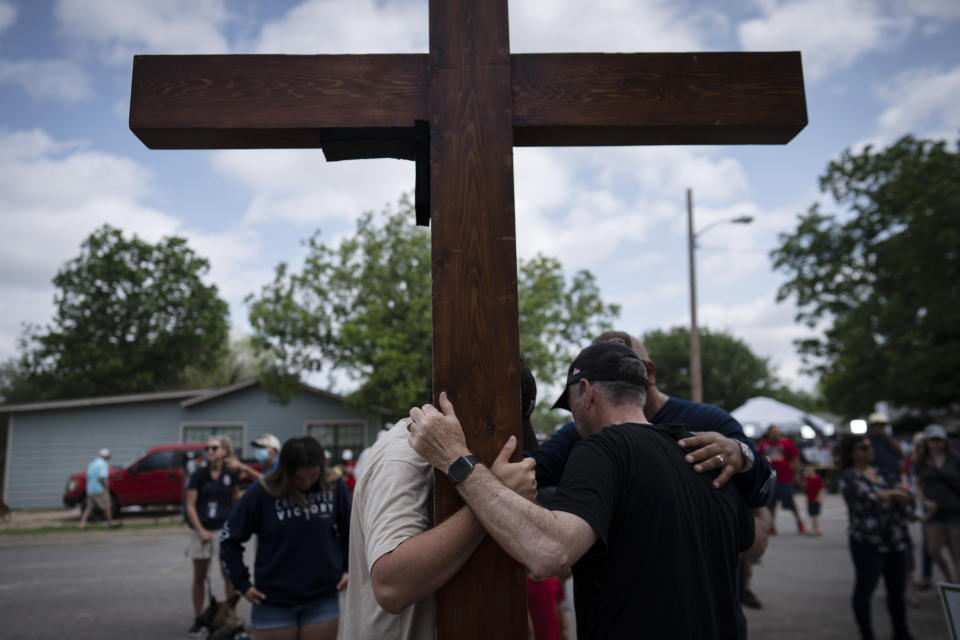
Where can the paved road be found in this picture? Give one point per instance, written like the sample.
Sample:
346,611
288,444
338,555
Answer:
135,584
98,584
805,586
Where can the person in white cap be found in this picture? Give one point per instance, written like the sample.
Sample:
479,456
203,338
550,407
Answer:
938,487
266,449
98,489
887,451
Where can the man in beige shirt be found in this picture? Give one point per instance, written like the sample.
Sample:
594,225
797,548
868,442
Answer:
398,559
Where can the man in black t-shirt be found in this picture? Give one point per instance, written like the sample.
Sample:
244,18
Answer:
652,544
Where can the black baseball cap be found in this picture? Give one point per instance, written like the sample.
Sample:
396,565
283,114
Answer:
603,361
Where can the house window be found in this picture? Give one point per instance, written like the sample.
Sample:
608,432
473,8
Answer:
203,432
338,436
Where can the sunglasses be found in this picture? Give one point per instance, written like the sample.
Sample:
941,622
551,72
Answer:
212,447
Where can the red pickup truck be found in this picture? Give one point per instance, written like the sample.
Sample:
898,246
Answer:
153,478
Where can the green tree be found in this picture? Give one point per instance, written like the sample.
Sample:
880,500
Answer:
731,373
363,309
882,278
130,317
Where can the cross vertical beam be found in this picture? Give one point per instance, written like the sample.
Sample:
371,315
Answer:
475,335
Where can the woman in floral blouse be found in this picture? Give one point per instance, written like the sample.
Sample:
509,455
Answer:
878,510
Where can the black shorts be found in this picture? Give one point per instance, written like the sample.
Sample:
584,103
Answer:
783,493
813,509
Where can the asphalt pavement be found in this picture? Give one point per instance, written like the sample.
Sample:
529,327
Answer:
135,583
805,585
122,583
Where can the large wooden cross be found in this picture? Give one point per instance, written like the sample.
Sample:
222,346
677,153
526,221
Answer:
458,112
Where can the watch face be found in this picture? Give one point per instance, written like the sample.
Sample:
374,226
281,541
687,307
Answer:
460,467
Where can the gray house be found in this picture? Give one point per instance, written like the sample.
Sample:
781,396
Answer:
45,442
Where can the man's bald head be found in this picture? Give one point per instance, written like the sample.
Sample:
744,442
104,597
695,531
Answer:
624,338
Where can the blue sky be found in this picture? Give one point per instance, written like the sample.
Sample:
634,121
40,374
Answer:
874,70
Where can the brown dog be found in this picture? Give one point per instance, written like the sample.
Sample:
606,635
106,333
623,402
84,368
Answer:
221,621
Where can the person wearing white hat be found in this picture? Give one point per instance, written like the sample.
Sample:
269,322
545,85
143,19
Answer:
98,489
887,451
266,449
938,487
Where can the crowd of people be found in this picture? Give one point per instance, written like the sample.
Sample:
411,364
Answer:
634,470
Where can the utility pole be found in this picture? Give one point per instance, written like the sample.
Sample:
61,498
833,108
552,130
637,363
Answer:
696,377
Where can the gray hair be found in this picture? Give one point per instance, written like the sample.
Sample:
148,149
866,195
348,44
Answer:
620,393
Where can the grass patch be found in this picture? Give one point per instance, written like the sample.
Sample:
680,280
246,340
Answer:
136,526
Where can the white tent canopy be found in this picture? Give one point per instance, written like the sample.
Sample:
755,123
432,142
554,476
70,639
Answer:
758,414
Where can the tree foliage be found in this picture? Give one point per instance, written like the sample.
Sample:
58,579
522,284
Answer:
242,360
731,373
130,317
363,308
883,278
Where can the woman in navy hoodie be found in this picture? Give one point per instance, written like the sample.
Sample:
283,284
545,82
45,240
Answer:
301,515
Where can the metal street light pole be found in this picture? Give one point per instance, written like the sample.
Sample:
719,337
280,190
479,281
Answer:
696,376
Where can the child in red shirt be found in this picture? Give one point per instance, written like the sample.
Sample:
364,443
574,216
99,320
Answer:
814,497
544,596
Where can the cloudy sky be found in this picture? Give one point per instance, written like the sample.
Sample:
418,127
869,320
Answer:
874,70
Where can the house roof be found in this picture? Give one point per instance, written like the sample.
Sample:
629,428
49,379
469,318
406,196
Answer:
188,397
100,401
210,394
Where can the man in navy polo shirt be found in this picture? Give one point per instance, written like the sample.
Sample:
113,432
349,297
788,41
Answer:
652,543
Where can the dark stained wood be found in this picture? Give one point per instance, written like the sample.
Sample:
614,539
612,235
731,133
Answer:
276,101
657,98
457,112
197,102
475,335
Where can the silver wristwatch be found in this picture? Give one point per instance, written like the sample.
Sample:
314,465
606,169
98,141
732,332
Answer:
748,458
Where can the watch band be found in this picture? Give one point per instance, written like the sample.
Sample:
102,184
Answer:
748,457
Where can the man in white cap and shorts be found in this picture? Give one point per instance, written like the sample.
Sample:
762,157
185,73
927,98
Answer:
98,489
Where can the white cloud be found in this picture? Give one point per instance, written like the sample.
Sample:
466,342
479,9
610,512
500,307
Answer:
59,79
43,227
831,34
122,28
347,26
8,15
923,102
233,262
935,9
52,195
300,186
368,26
769,329
607,26
668,171
608,199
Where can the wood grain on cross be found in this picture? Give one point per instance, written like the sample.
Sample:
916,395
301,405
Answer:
459,111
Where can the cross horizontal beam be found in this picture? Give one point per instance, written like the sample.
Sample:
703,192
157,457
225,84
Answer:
277,101
574,99
374,101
